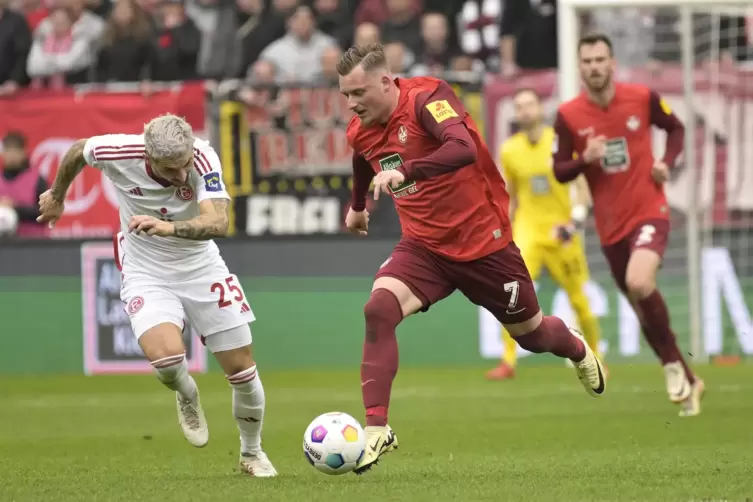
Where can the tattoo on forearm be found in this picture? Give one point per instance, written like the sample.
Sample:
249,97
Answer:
205,227
72,164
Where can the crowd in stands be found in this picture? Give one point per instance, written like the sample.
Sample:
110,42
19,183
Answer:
52,43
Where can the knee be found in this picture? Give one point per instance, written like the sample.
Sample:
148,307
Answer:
639,286
383,309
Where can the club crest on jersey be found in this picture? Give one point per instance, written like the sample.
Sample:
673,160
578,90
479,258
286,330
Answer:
184,193
633,123
402,134
212,182
135,304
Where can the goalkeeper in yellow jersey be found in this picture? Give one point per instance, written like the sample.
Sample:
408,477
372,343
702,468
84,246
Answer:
545,223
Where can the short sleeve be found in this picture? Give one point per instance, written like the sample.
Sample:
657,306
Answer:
439,109
209,184
99,151
90,150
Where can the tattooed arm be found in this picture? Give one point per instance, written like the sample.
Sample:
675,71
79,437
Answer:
211,223
72,164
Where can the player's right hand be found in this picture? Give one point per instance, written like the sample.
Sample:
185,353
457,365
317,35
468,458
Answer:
596,148
50,209
357,222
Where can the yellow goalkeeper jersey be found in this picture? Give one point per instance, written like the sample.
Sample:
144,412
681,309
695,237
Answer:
541,201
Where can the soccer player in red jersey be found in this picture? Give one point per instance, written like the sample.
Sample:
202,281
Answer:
414,139
605,133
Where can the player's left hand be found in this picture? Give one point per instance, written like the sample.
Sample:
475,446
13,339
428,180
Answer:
151,226
385,179
660,172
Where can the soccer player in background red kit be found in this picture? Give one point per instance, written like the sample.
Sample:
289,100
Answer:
605,134
452,205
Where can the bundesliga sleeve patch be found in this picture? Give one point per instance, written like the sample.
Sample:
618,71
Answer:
665,107
441,110
212,182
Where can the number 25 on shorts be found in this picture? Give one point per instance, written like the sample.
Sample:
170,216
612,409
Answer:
225,289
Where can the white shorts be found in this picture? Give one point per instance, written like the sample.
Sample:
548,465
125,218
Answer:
214,303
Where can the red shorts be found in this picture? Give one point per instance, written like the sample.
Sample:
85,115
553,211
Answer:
498,282
650,234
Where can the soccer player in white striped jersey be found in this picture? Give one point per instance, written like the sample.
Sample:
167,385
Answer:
172,204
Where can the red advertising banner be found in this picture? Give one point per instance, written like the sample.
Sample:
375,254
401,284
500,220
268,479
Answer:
723,108
52,121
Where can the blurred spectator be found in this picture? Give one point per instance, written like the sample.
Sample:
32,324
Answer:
297,56
330,57
334,19
177,44
150,6
34,10
528,35
127,46
21,186
367,33
403,25
285,8
15,40
60,55
247,28
437,54
87,27
478,24
375,11
101,8
398,59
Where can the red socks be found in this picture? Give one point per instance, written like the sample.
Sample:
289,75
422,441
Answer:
380,355
553,336
658,333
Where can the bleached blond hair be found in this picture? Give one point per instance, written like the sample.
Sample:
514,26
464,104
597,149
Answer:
168,137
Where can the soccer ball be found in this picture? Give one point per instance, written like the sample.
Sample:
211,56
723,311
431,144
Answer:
334,443
8,221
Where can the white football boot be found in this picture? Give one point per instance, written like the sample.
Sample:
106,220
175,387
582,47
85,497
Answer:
691,407
678,385
379,440
590,371
192,421
257,465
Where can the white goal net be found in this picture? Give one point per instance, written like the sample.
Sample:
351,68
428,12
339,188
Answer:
699,57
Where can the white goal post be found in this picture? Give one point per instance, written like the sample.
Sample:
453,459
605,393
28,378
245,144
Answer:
697,225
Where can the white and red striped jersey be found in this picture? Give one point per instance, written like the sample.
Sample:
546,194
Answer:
121,157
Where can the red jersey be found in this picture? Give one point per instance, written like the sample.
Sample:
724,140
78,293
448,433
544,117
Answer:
457,211
623,190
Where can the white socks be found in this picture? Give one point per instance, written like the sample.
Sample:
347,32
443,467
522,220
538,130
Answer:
173,372
248,408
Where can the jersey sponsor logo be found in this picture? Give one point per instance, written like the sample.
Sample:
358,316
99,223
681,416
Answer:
441,110
402,134
212,182
135,304
617,156
393,162
184,193
540,185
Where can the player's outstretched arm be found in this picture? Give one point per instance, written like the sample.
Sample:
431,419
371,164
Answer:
52,201
72,164
211,223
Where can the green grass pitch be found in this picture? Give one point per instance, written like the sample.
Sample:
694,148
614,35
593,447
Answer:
538,438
